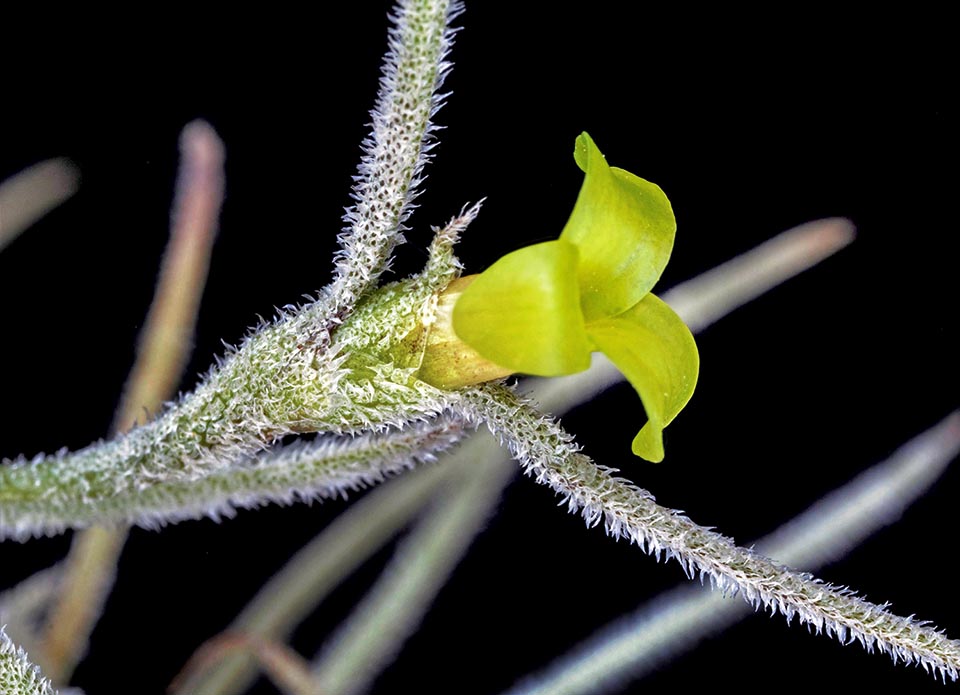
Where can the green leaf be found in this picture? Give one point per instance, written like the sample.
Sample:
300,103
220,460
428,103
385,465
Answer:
656,352
523,312
623,228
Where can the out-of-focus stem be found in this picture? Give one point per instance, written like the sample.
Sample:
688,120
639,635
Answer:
164,347
300,586
167,337
376,631
23,607
89,572
716,293
31,194
289,671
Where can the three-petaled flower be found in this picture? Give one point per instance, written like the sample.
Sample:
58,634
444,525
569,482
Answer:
543,309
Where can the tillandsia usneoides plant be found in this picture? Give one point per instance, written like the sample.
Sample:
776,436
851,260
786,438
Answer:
350,363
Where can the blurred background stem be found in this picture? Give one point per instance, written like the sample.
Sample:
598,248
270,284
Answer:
164,348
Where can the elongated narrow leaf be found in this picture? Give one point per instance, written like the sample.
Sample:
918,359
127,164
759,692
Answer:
656,352
623,228
523,312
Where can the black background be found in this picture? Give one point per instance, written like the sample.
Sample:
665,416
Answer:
750,124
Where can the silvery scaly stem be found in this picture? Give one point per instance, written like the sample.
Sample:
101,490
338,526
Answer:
676,621
549,455
328,467
396,150
362,383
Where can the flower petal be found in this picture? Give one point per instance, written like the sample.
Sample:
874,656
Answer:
656,352
623,228
523,312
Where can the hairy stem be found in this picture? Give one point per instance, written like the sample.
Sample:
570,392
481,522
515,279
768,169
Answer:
395,151
17,675
263,391
549,455
674,622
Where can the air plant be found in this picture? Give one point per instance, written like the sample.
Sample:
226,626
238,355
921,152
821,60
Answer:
348,365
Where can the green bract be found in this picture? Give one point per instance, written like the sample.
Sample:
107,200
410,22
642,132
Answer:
544,308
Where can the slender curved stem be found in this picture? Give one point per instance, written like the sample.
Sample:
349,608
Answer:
674,622
549,455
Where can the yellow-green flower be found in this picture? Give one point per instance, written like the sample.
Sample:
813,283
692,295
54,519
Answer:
544,308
